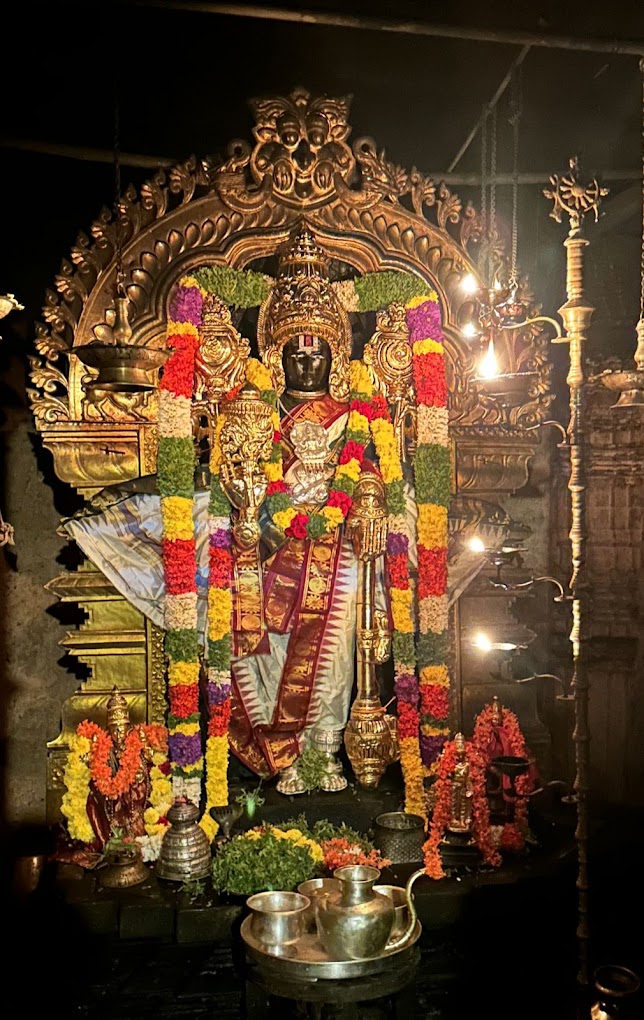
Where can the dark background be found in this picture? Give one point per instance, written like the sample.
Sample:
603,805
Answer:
184,78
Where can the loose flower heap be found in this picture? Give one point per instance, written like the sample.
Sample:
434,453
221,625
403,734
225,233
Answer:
339,852
505,738
266,857
443,809
89,761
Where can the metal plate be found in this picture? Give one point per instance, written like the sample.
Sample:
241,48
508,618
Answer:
307,959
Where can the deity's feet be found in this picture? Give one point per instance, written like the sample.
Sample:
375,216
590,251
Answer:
333,779
290,782
328,742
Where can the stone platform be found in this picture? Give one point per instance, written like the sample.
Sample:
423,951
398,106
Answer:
502,938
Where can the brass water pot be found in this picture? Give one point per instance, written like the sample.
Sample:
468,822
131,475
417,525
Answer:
355,923
123,868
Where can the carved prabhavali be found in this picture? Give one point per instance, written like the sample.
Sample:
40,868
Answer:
240,208
368,214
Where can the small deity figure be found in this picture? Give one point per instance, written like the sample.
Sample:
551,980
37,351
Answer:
125,811
462,791
112,801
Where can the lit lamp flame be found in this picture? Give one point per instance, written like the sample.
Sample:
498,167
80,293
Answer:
497,285
469,330
476,544
489,367
469,284
483,643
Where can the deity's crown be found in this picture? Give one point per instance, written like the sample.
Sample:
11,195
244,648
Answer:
302,302
118,715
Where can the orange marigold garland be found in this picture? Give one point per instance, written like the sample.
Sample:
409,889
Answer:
111,785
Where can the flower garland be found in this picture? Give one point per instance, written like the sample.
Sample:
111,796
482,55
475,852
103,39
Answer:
487,737
76,780
432,487
220,607
421,676
182,647
176,466
155,816
286,518
239,288
443,806
111,785
400,593
88,761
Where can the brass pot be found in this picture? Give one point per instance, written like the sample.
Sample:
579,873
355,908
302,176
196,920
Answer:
355,923
185,854
123,868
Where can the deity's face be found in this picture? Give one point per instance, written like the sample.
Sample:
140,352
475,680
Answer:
306,369
118,732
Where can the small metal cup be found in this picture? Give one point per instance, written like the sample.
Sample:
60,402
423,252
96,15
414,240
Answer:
398,896
316,889
277,917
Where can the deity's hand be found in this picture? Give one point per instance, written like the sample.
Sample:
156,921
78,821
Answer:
245,489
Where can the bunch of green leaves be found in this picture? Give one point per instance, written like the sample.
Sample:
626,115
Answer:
240,288
377,290
244,866
311,767
323,830
193,888
118,843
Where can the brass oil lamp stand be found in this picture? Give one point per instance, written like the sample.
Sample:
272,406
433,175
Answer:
576,200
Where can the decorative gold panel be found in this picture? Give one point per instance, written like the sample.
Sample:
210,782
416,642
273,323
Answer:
119,647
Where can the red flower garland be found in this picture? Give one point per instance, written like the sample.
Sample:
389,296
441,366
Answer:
487,736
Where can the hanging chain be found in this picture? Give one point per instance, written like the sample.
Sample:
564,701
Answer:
492,230
642,253
118,253
515,117
484,223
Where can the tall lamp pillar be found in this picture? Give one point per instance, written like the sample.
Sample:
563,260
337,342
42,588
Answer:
576,201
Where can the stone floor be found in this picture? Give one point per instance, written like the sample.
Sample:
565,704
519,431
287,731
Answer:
496,944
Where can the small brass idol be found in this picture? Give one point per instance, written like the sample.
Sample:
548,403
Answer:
370,735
